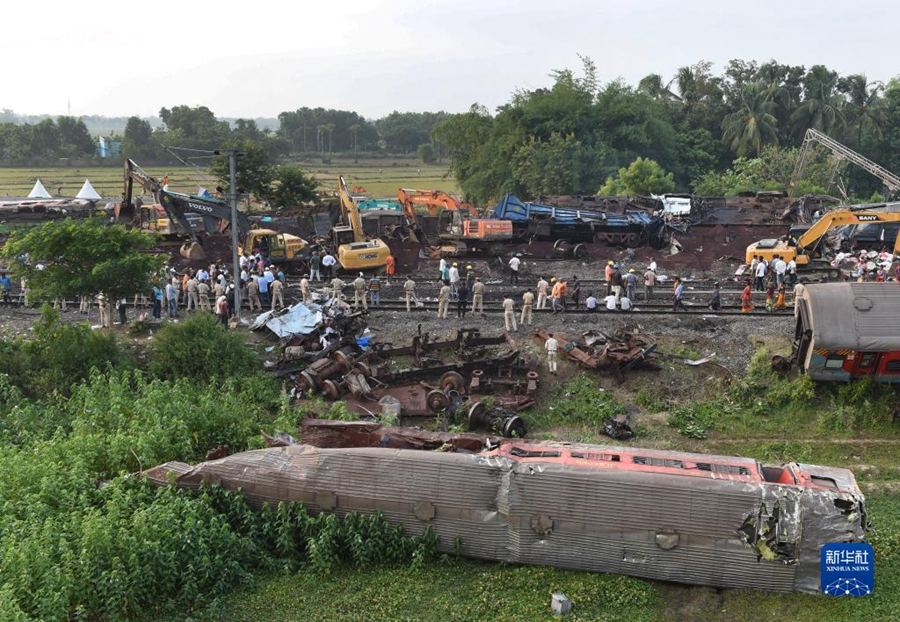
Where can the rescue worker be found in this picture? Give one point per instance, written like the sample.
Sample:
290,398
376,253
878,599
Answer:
608,273
462,301
554,296
410,289
389,266
478,296
551,346
253,294
576,291
304,290
337,285
328,262
103,305
442,268
649,283
527,304
716,303
443,301
359,292
277,294
375,290
631,284
509,314
203,291
543,287
615,279
470,277
192,300
315,264
5,288
454,278
514,268
222,310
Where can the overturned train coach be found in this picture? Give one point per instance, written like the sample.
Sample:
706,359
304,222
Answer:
846,331
697,519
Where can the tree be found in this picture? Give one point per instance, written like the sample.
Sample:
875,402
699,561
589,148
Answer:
292,187
753,126
75,140
137,142
560,165
253,170
86,257
426,153
821,108
641,178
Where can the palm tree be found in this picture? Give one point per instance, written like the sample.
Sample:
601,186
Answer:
753,125
329,127
865,104
319,142
822,105
354,131
654,86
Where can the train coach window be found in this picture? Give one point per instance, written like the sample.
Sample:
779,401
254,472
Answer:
834,362
520,452
825,482
665,462
892,366
867,360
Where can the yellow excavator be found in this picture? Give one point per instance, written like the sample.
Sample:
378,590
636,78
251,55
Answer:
804,245
354,251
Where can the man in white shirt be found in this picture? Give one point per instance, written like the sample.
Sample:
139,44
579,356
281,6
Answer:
780,270
328,262
543,287
591,303
761,276
514,268
792,271
552,346
454,279
653,264
610,302
625,303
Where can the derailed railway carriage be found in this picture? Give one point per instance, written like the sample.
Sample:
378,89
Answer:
692,518
848,330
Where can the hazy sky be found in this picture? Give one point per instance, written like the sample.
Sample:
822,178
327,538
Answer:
248,59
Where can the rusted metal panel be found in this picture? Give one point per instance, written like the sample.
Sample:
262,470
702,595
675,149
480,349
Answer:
697,519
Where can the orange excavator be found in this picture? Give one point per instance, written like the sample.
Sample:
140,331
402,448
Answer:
460,231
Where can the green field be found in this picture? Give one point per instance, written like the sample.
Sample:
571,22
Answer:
380,178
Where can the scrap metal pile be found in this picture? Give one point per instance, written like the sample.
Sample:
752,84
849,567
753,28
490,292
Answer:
616,353
41,210
326,351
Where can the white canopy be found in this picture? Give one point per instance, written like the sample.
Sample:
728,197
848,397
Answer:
39,192
87,192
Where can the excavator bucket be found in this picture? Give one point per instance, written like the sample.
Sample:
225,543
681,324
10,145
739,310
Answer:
192,250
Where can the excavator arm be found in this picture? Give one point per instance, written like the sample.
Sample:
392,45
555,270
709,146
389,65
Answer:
434,201
406,204
213,211
840,218
351,210
133,173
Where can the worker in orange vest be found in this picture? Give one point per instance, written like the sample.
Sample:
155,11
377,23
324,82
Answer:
609,271
389,267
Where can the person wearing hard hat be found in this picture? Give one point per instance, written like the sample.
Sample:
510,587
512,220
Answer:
630,284
470,278
609,269
454,279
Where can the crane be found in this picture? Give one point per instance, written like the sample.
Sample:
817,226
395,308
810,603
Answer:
841,153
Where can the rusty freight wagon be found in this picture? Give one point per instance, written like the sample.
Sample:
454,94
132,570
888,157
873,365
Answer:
692,518
849,330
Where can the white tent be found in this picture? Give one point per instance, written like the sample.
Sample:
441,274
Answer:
87,192
39,192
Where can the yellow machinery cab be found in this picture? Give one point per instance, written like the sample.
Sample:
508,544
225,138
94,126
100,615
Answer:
277,247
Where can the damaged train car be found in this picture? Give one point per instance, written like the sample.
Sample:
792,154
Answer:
699,519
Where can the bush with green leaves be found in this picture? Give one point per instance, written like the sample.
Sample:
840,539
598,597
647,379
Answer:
200,348
580,401
58,355
694,420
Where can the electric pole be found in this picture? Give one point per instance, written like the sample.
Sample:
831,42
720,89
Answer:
236,264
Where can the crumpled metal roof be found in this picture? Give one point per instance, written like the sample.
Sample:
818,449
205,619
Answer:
857,316
299,319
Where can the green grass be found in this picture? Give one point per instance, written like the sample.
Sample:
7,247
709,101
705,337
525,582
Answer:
470,590
380,178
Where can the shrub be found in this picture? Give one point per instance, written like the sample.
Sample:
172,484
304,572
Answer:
693,420
58,355
200,348
581,400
